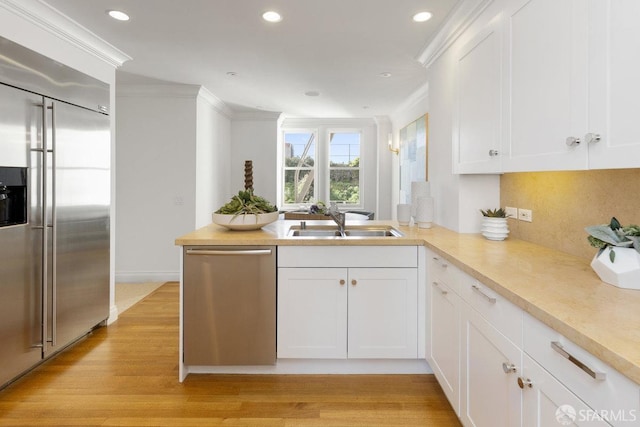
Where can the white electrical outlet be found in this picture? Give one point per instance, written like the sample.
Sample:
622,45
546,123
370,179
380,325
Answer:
511,212
525,215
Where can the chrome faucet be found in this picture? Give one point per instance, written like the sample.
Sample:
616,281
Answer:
338,217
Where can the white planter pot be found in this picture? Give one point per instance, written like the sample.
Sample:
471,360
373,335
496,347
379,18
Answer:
624,272
494,228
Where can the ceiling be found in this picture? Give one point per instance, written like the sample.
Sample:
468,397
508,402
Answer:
337,48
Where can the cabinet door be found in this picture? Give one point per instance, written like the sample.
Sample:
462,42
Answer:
312,313
490,393
478,113
614,85
546,85
383,313
546,402
444,333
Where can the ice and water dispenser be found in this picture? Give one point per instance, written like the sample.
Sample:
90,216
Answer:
13,196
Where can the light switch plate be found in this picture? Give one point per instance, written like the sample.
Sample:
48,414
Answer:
511,212
525,215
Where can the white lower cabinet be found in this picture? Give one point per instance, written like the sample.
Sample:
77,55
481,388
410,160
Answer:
312,307
490,362
336,312
546,402
502,367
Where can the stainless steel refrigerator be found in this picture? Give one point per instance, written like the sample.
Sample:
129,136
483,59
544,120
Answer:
54,207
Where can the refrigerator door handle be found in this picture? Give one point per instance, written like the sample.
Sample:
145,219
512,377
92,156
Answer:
54,234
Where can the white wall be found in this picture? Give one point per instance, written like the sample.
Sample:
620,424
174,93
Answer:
172,157
213,151
255,137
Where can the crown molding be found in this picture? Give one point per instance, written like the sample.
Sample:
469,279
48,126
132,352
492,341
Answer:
458,21
418,96
254,116
54,22
157,91
216,102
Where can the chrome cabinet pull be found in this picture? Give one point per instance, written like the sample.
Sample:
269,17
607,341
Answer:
442,291
442,264
592,137
492,300
600,376
493,153
572,140
508,368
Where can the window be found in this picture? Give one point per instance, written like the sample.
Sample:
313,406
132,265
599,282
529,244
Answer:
299,170
344,168
321,164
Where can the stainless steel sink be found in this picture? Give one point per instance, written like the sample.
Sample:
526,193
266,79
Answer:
323,231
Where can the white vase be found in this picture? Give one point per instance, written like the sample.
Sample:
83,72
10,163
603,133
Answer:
494,228
425,211
624,272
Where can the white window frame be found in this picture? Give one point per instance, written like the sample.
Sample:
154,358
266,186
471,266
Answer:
322,131
327,180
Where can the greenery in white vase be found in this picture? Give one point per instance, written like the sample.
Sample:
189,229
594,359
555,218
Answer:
613,235
494,213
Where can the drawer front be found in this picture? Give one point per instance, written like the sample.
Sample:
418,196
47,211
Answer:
575,368
500,313
442,271
348,256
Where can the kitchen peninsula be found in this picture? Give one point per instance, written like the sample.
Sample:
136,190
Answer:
558,290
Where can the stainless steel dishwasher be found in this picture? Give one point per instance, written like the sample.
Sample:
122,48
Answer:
229,307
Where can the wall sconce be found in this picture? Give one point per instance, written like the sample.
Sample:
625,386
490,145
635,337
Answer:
390,145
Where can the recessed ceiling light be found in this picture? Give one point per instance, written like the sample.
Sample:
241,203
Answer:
272,16
312,93
231,73
118,14
422,16
385,74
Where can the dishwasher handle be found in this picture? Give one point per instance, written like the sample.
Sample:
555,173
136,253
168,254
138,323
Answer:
229,252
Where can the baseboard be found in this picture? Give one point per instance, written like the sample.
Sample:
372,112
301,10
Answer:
113,314
147,276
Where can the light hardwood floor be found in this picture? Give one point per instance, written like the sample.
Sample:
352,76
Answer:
127,375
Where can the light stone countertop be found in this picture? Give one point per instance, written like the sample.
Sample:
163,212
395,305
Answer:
558,289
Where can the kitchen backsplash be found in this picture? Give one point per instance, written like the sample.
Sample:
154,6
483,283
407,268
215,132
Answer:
564,203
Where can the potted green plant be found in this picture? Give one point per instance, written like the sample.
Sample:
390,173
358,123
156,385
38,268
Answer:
494,224
617,261
246,211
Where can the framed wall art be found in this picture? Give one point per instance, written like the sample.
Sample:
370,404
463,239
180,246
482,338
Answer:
413,154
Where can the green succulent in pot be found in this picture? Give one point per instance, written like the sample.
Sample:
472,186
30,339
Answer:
494,213
614,235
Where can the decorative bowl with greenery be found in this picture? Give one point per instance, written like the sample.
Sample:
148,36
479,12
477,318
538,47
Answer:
246,211
614,235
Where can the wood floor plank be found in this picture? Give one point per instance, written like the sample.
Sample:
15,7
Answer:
127,375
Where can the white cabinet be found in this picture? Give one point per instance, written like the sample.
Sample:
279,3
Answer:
575,78
383,313
614,67
478,105
546,402
546,84
443,311
312,308
490,362
341,312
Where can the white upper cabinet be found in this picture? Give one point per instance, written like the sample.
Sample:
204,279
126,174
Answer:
478,113
614,87
546,85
